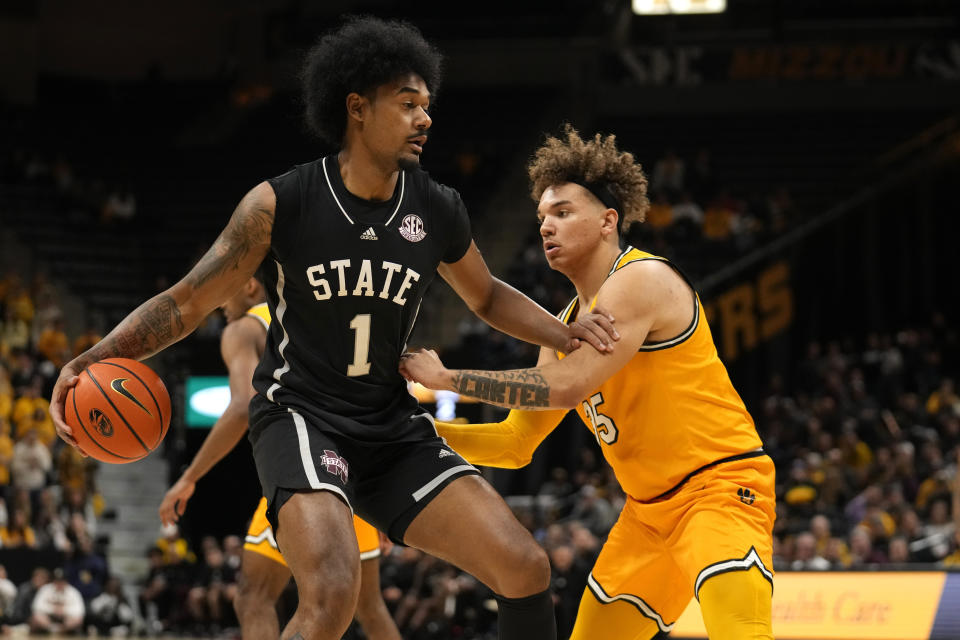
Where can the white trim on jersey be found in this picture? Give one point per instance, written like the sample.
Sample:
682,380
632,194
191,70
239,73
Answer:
422,492
281,310
346,215
655,346
403,183
369,555
306,457
752,558
636,601
265,535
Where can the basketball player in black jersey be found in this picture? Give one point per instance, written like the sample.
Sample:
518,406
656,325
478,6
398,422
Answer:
347,245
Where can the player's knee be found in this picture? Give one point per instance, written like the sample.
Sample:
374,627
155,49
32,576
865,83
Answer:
527,570
337,580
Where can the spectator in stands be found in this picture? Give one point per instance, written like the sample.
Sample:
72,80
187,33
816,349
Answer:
15,333
57,608
18,301
110,612
26,592
215,586
8,595
944,398
173,545
156,593
6,455
805,555
31,411
75,471
86,568
568,577
85,340
77,511
594,511
31,463
52,342
233,552
669,174
6,391
898,551
51,530
120,207
687,218
18,532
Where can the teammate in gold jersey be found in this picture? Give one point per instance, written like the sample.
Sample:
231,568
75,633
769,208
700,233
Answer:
263,572
699,514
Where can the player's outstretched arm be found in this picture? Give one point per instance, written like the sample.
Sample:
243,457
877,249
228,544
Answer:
175,313
508,444
240,346
563,384
508,310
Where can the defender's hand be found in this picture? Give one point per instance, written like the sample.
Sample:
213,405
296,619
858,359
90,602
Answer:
595,327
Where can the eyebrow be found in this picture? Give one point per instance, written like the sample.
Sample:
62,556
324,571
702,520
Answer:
408,89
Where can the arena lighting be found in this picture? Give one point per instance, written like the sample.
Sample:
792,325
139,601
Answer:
663,7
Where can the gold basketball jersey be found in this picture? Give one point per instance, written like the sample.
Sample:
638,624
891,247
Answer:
671,411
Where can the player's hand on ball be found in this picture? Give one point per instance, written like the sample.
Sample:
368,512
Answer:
423,366
68,378
595,327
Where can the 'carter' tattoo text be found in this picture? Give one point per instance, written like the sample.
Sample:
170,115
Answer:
518,389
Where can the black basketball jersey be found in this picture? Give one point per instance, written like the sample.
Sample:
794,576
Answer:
344,279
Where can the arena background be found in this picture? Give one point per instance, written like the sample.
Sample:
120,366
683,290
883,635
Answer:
816,215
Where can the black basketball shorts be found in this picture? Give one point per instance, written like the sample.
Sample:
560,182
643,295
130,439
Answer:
387,484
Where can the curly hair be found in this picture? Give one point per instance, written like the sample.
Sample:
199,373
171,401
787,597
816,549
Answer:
574,159
357,57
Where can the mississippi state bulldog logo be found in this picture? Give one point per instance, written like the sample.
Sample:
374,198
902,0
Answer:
335,464
411,228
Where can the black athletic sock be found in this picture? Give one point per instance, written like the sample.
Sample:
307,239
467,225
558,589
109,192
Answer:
529,618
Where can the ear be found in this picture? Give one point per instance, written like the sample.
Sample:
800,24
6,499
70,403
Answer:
356,106
610,217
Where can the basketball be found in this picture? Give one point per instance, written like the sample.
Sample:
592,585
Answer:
119,410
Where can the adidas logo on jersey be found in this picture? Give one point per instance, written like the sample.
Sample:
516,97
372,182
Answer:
444,453
369,234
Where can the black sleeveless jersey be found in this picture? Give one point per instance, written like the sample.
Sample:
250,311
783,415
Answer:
344,279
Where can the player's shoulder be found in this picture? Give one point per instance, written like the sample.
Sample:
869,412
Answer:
434,190
661,282
297,172
246,328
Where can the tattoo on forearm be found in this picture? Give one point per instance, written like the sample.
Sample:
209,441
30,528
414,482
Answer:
154,326
250,226
521,388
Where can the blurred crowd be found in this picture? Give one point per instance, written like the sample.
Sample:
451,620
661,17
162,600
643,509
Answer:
865,433
50,508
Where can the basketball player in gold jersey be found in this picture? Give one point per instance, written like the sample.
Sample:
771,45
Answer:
699,515
263,571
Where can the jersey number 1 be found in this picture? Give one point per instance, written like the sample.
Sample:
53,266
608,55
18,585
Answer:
361,345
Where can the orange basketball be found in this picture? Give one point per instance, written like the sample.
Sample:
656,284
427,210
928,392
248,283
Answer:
119,410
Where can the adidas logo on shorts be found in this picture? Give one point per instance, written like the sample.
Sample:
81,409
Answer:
369,234
444,453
